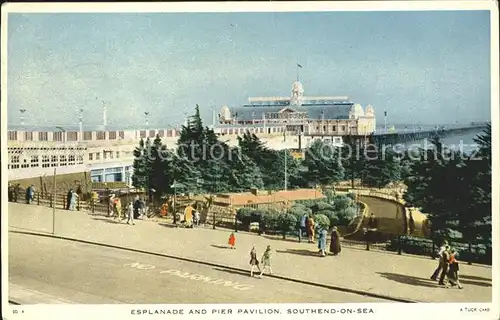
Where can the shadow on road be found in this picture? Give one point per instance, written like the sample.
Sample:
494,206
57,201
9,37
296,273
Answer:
241,273
220,246
464,276
168,225
474,283
110,221
300,252
280,238
415,281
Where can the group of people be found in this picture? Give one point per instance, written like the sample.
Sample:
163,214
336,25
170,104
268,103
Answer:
134,209
265,261
191,216
308,226
448,266
334,242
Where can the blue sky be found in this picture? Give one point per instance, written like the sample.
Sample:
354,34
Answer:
420,66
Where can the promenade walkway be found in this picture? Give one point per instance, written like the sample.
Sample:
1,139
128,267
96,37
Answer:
403,277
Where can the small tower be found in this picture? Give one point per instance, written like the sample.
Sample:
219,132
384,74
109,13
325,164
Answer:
297,94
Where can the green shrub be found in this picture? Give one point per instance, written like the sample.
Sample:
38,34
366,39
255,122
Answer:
322,221
286,222
351,195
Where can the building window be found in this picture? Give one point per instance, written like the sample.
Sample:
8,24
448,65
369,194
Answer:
101,135
62,158
14,159
73,136
317,128
324,128
151,133
43,136
80,159
72,158
343,128
142,134
12,135
28,136
117,154
111,154
87,135
98,156
58,136
334,128
53,158
169,133
91,156
112,135
161,133
121,134
25,165
45,161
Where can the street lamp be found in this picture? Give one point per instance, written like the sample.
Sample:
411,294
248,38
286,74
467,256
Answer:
80,122
22,115
147,122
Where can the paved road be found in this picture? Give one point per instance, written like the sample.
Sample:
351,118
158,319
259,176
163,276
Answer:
385,273
49,270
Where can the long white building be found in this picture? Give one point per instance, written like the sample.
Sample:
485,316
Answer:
291,123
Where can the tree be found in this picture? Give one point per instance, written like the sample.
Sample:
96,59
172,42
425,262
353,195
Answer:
323,164
159,166
244,173
140,176
353,160
381,167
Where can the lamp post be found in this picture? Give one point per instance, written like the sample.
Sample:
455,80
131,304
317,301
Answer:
146,114
286,178
80,122
22,111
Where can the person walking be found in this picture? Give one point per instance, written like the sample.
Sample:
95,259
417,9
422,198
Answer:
68,198
322,242
11,192
137,207
441,262
310,228
302,227
232,241
73,200
188,216
335,242
446,265
453,269
130,211
266,261
111,205
118,208
254,262
32,193
196,218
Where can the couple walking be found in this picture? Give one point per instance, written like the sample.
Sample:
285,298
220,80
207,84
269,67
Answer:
307,226
266,261
334,242
448,266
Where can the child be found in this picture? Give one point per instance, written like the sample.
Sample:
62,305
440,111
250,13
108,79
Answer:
254,262
453,270
266,261
232,241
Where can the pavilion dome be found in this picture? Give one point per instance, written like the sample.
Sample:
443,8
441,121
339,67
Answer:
225,113
370,111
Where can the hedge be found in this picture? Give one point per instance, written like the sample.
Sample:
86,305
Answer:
480,253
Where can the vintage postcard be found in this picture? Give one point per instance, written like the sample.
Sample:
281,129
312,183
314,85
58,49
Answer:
259,160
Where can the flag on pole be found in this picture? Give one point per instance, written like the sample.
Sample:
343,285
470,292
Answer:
298,65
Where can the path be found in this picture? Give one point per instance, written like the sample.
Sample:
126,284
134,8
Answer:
387,274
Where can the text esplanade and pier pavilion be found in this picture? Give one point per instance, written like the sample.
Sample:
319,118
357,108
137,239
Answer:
292,122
